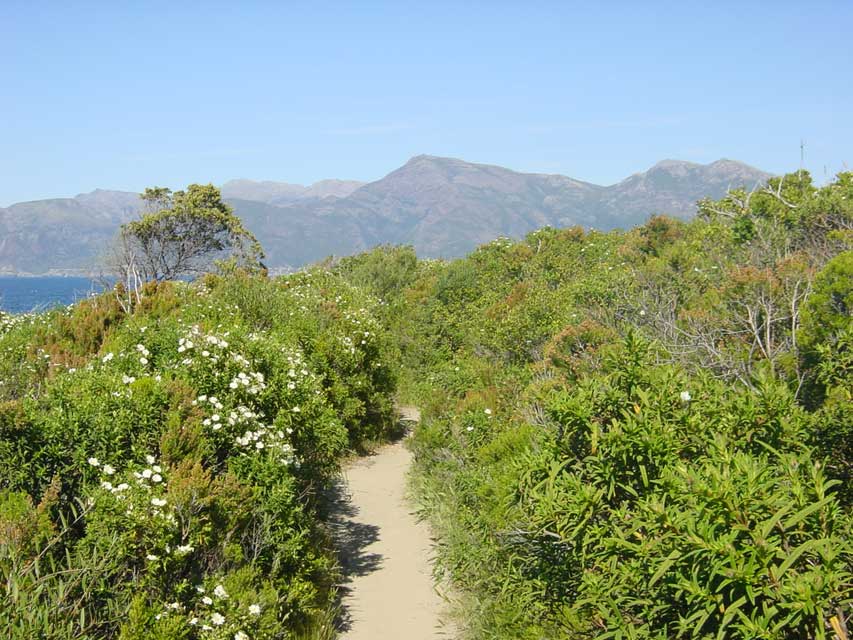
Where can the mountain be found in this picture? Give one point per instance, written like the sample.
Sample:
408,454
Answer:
284,192
64,234
444,207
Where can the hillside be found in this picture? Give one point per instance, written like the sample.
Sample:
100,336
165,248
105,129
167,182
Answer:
444,207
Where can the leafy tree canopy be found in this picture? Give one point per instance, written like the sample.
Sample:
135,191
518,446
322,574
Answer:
184,234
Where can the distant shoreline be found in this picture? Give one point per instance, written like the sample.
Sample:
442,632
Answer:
51,274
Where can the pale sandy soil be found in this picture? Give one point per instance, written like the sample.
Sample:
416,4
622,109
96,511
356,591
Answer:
385,552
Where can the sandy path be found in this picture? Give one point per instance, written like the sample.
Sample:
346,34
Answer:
388,590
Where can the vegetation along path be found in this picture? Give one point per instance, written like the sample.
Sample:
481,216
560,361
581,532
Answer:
388,591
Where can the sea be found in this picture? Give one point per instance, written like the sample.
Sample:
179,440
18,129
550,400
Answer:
37,293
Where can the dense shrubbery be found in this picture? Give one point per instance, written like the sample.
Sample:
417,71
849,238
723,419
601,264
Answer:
641,434
645,434
160,464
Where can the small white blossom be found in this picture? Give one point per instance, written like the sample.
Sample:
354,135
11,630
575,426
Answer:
220,592
685,396
218,619
255,609
94,462
108,470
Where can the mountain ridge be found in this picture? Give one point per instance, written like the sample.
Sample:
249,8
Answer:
442,206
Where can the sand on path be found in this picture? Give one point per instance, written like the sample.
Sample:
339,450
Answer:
388,590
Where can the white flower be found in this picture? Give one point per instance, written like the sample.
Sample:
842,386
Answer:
220,592
685,396
207,600
296,409
199,588
151,557
158,502
109,470
107,485
108,357
146,473
469,428
218,619
94,462
194,621
156,478
255,609
123,487
150,459
143,361
488,412
240,636
156,468
184,548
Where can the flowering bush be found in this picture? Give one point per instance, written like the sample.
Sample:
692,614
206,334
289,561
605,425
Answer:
192,434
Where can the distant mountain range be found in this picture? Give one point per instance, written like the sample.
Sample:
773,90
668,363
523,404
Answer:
444,207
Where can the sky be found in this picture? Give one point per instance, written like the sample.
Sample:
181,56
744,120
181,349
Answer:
124,95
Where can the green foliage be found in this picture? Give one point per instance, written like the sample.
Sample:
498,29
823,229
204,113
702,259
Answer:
644,435
175,449
628,435
186,232
829,308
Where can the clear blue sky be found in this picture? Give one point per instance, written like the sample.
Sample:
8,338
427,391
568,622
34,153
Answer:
124,95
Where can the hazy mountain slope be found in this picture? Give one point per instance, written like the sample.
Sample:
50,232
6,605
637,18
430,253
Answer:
284,192
446,207
674,186
64,234
442,206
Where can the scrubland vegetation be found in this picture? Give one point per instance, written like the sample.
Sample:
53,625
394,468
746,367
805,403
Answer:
160,464
640,434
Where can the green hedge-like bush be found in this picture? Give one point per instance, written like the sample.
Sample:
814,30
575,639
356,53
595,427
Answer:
160,464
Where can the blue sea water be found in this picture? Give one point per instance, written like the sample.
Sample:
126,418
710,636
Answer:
23,294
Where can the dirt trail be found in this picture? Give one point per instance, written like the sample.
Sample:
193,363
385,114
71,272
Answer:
388,590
